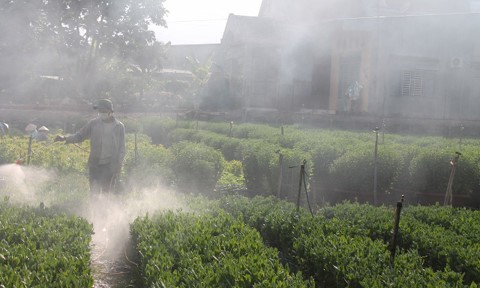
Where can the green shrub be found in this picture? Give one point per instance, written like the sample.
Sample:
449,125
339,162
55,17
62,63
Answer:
232,174
151,165
197,167
259,160
354,170
42,248
430,171
191,250
158,128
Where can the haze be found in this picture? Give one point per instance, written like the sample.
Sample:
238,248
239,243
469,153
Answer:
201,22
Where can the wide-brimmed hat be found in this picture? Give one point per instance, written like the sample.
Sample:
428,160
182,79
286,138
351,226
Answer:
104,104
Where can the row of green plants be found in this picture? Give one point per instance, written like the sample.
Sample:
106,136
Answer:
324,251
42,248
188,166
336,160
346,245
444,244
338,253
206,250
341,246
461,221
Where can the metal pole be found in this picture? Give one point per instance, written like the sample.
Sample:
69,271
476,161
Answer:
29,151
375,200
461,136
280,176
302,169
448,194
305,186
136,149
393,244
383,130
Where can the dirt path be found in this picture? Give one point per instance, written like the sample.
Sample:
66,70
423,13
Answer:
111,264
112,257
111,260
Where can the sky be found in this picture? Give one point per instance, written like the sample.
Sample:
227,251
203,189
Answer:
201,22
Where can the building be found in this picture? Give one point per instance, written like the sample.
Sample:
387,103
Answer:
372,58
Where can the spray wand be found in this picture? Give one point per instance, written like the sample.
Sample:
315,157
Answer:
63,138
79,147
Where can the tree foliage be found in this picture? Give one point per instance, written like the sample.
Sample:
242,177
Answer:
91,46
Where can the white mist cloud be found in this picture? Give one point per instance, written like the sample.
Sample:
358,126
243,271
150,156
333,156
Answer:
21,183
112,214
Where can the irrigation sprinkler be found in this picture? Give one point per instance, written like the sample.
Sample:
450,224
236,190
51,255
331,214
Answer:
302,181
375,200
393,243
448,193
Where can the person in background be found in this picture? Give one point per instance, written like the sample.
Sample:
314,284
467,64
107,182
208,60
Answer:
3,129
41,134
107,147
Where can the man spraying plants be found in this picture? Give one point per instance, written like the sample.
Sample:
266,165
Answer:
107,147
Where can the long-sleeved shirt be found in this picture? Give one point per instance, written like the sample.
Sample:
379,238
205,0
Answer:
107,142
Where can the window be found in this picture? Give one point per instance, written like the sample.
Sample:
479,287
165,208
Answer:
412,84
417,83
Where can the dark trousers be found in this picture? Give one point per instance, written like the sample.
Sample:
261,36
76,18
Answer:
102,178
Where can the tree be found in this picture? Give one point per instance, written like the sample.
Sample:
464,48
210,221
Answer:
85,43
145,61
